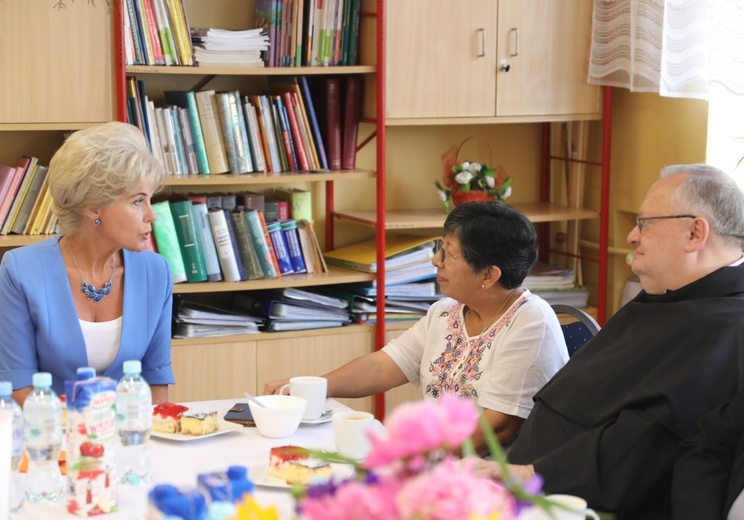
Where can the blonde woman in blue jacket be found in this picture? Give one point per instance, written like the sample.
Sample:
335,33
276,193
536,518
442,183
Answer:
93,296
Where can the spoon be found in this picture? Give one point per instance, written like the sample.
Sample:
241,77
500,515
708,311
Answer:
254,400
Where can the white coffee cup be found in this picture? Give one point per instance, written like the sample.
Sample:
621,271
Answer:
350,433
567,507
312,389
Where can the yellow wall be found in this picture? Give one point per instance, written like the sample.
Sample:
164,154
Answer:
648,133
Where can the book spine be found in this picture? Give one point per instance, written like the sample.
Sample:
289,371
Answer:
167,241
333,122
260,244
152,26
156,147
267,238
223,243
313,120
352,113
254,137
183,38
206,239
166,142
191,251
263,131
289,229
284,133
280,143
206,101
295,129
139,7
175,127
307,138
279,242
164,32
196,131
270,135
30,200
240,132
228,135
248,254
188,141
235,245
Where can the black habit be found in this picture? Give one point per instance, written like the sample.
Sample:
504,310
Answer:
607,426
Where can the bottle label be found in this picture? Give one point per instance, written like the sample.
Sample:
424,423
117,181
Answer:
133,412
100,422
43,430
17,438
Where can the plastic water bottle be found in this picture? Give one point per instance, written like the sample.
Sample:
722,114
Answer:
42,412
16,484
133,422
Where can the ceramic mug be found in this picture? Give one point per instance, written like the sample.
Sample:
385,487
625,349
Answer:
350,433
569,507
312,389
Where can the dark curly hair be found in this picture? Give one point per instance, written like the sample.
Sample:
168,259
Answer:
491,233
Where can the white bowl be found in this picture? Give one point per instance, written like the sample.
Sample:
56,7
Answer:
281,417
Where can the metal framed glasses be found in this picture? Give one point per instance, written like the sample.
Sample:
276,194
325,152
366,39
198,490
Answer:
640,221
443,255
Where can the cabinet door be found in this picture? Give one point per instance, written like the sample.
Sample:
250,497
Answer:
213,370
55,65
312,355
546,45
441,58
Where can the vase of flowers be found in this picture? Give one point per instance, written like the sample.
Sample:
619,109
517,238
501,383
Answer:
412,472
469,181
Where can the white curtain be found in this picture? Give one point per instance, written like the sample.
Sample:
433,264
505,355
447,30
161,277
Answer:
677,48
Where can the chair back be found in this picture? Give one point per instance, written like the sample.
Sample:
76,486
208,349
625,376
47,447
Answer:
578,330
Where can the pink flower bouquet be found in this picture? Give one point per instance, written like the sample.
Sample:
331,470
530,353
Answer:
412,472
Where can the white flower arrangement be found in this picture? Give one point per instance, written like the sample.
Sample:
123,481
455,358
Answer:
469,177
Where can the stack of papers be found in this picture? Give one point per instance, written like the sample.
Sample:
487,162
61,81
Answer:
545,276
196,320
223,47
294,309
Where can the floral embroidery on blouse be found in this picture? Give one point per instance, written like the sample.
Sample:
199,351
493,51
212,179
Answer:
458,367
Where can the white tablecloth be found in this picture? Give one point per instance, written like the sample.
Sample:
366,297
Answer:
179,463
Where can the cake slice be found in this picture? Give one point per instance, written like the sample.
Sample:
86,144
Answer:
195,422
166,417
294,465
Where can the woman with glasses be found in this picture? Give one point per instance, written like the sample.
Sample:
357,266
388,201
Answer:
489,340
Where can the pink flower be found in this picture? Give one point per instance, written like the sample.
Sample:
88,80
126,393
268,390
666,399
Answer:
354,500
452,490
422,427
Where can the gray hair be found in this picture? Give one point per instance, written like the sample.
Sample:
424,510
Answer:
713,193
96,166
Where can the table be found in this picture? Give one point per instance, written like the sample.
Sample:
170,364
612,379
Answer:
179,463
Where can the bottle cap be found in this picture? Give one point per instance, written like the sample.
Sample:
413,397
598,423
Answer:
42,379
133,366
6,388
84,373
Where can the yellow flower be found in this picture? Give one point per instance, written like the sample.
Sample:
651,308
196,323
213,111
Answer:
250,510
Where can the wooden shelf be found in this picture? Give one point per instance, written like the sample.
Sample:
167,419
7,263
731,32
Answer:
266,178
264,336
490,120
251,71
39,127
335,275
434,218
21,240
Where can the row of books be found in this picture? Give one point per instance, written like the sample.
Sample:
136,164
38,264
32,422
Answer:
203,240
556,285
156,32
217,132
310,32
25,200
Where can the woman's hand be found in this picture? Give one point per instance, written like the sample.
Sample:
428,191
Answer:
272,387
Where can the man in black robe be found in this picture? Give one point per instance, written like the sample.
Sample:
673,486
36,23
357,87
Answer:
608,425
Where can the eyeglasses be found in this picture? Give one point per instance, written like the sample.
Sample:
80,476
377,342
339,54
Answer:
443,255
640,220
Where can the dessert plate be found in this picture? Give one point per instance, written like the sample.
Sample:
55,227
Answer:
223,426
258,473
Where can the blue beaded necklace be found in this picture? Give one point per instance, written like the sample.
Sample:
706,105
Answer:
89,289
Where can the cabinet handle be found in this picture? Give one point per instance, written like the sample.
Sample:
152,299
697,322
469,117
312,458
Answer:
516,42
505,66
482,33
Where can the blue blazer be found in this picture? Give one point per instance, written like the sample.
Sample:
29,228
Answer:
39,326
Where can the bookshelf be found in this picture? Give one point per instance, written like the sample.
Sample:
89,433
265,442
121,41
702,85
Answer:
224,367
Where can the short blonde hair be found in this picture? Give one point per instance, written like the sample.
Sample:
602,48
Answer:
96,166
